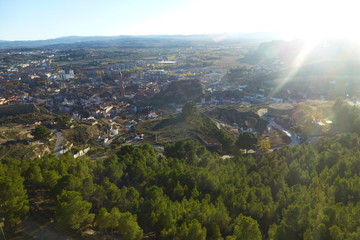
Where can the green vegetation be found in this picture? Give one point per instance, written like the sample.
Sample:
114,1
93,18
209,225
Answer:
245,228
41,133
84,132
71,211
167,130
303,192
171,129
307,117
193,122
14,204
189,110
346,117
62,121
124,223
130,192
247,141
264,145
27,118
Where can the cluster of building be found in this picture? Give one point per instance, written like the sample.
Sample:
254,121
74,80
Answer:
116,90
119,89
104,91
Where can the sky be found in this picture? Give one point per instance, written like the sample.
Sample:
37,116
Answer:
45,19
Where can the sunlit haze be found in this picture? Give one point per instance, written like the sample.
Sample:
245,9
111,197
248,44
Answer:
41,19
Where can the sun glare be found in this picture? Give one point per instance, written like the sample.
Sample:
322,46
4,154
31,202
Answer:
307,19
299,61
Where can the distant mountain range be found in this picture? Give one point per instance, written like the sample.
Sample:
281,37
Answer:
129,41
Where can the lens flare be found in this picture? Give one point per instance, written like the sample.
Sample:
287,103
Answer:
296,65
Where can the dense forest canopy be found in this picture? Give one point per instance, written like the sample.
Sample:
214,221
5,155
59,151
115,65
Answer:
303,192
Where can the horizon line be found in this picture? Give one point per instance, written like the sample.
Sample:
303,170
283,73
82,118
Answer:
143,35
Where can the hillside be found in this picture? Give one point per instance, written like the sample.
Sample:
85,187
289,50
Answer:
233,116
179,92
16,109
186,192
327,78
296,193
171,129
167,130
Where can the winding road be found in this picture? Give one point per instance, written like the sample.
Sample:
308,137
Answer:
294,137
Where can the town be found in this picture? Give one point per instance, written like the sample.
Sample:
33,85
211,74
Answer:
124,91
179,120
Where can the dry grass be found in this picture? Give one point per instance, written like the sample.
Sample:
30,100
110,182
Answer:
166,130
12,132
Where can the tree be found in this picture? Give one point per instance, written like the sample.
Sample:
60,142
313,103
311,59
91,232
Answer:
50,178
123,223
339,102
35,175
13,199
336,233
264,145
195,231
320,232
247,141
189,109
103,220
114,218
213,232
114,169
62,121
41,133
81,134
188,151
191,231
128,227
72,211
346,117
68,183
245,228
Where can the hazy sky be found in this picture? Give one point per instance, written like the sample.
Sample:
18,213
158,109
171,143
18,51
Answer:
43,19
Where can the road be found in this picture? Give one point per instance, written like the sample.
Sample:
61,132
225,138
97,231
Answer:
294,137
58,145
